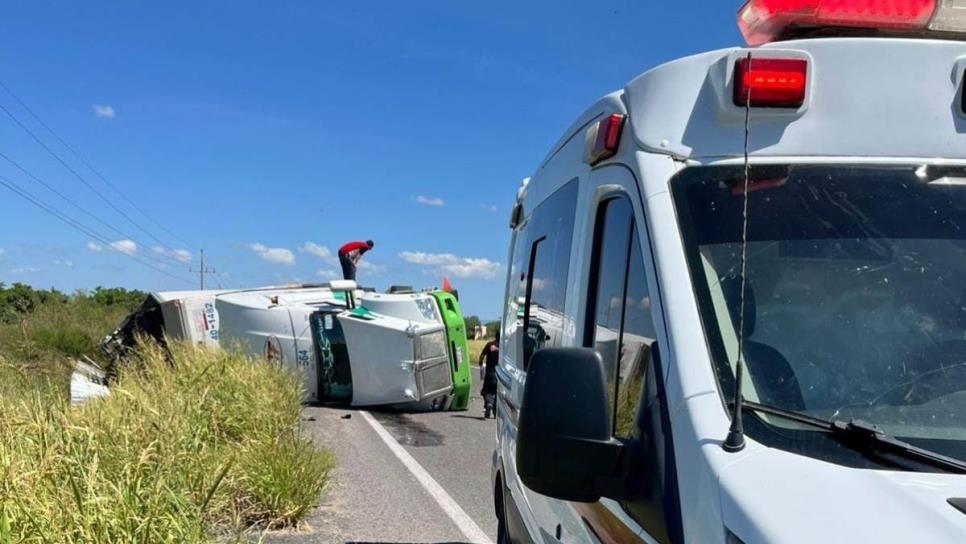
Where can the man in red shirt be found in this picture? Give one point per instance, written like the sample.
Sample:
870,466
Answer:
349,256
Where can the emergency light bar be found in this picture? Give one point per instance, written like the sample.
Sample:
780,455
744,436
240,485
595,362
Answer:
763,21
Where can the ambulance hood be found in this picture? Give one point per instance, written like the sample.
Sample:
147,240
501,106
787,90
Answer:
775,496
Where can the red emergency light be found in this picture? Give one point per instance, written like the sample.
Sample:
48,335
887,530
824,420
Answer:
604,138
763,21
770,83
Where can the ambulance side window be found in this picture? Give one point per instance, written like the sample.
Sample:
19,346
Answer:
514,305
540,276
637,342
606,302
620,326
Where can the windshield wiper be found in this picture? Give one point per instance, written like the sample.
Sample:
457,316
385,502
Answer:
858,433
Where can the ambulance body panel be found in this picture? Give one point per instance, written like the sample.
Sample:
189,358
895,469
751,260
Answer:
685,108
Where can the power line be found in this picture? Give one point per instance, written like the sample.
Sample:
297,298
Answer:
61,195
68,200
91,167
26,195
81,178
73,223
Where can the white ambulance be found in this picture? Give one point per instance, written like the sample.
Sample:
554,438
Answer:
783,224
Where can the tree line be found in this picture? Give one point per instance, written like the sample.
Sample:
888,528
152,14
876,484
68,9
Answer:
473,321
19,299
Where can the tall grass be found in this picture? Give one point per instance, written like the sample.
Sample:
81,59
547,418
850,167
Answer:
43,341
190,446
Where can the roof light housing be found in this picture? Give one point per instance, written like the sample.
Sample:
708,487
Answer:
603,138
763,21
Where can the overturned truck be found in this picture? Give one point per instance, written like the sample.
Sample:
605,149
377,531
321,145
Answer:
351,346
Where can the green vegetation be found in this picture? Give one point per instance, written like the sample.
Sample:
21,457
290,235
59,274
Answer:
475,347
492,327
473,321
191,445
42,329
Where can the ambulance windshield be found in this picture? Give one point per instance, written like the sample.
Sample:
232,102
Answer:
855,290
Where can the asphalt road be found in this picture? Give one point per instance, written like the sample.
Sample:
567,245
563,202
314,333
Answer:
440,494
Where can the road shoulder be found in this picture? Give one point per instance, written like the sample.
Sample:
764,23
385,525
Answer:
373,497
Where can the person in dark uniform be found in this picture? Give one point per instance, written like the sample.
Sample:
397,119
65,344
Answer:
349,255
489,358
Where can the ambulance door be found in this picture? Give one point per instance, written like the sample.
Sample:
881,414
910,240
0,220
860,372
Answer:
623,324
535,318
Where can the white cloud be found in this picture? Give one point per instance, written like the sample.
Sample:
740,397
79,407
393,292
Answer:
127,247
96,248
321,252
68,263
418,257
180,255
328,274
326,255
429,201
472,268
365,267
447,264
278,255
102,111
24,270
489,208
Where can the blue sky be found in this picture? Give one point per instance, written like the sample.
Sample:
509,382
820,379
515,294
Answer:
268,133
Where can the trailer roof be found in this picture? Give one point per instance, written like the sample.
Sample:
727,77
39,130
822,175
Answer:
283,296
166,296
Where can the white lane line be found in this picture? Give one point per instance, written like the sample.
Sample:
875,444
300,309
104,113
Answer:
463,521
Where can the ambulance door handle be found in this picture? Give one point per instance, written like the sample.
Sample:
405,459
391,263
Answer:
503,377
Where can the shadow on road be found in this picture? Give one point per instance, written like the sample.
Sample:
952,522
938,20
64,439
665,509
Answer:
407,431
478,418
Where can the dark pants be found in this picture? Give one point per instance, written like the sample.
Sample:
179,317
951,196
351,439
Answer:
348,267
489,394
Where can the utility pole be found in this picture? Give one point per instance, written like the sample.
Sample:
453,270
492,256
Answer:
202,270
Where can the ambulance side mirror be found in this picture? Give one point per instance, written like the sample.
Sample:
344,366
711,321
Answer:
564,445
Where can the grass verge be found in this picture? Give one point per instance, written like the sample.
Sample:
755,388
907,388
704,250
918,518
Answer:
190,446
475,347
